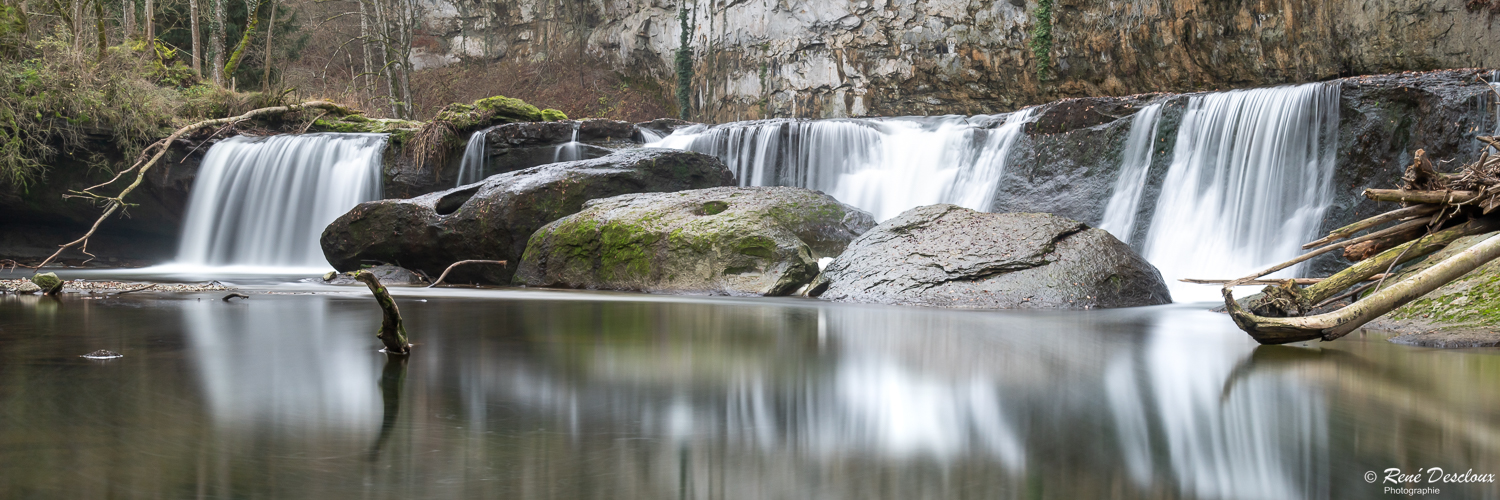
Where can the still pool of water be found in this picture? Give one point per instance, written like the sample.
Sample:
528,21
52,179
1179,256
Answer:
534,394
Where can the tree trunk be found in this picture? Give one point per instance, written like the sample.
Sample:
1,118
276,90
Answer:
1349,230
129,21
216,40
101,32
364,33
239,50
265,85
150,23
197,46
392,333
1339,323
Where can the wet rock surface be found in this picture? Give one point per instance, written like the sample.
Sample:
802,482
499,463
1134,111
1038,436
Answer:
492,220
949,256
1463,313
727,240
387,274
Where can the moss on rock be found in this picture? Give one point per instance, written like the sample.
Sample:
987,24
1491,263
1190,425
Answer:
729,240
1462,313
553,115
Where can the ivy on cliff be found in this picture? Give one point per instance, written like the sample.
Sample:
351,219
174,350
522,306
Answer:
1041,39
684,63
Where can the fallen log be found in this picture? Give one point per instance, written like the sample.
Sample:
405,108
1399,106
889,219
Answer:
1349,230
1299,281
1405,252
1429,197
1336,324
392,333
1309,255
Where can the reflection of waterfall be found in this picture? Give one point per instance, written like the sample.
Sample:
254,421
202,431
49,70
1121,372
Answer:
1251,176
265,201
1266,438
1120,214
301,366
885,166
476,158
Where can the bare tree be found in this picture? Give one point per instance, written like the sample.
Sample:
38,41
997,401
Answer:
129,21
216,40
197,46
150,22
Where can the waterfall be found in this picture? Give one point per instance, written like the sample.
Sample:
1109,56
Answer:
570,151
1250,179
885,166
476,158
263,202
1124,201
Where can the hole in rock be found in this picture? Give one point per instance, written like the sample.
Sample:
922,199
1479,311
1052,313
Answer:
451,202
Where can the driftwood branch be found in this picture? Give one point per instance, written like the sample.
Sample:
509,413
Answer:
114,203
1429,197
1299,281
1309,255
392,332
1339,323
462,262
1349,230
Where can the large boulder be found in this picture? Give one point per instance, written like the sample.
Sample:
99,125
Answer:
949,256
727,240
491,220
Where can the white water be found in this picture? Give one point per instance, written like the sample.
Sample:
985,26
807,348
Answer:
885,166
569,151
1250,179
1120,214
471,169
263,202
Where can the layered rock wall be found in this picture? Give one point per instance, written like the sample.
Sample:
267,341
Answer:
781,58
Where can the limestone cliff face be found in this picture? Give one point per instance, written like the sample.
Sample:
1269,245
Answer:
836,58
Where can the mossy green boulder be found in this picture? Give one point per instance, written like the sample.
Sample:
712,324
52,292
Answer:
723,241
492,220
49,283
1463,313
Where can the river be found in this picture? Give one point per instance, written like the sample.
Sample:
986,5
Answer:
516,393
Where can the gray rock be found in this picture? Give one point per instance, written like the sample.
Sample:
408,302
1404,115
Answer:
387,274
949,256
492,220
727,240
27,287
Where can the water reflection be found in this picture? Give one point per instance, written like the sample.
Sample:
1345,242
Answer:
516,398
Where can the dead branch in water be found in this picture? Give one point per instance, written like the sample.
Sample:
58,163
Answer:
392,332
461,262
116,202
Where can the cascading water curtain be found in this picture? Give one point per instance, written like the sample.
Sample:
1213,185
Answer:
264,201
885,166
472,168
1125,200
1249,182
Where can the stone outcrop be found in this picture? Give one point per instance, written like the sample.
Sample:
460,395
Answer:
761,59
949,256
727,240
493,219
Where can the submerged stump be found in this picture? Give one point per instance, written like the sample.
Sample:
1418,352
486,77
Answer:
392,333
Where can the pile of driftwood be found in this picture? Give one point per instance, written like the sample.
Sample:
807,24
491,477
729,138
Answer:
1437,209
